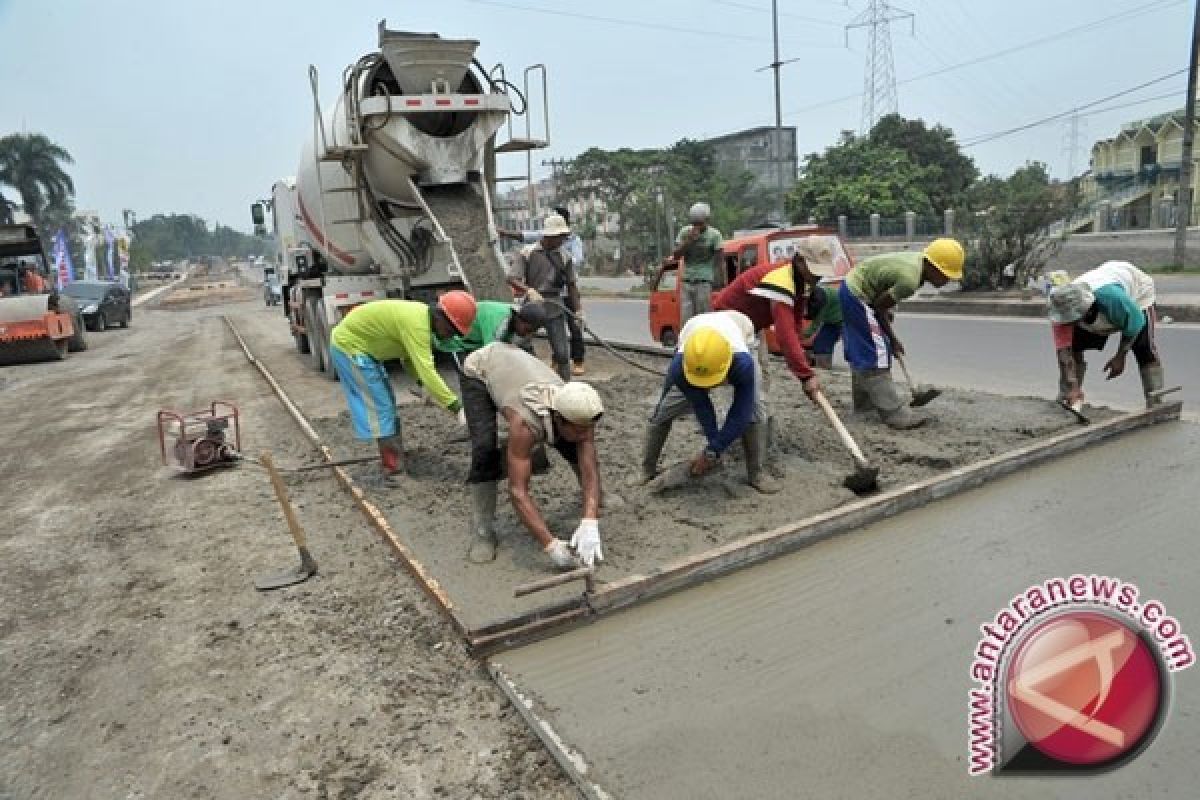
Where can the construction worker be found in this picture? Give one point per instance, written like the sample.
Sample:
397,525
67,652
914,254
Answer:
540,409
775,294
698,251
574,247
386,330
868,296
495,322
715,348
543,272
1115,297
31,281
823,329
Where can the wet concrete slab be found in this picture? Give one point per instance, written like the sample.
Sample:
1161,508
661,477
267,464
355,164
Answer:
843,670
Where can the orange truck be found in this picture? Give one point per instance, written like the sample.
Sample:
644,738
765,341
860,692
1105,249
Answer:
826,253
36,323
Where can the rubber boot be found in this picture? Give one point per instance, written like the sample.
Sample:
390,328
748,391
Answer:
563,370
884,397
540,461
652,447
858,391
391,458
754,442
1152,381
483,523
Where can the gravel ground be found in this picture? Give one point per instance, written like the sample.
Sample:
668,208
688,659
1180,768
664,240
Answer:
138,660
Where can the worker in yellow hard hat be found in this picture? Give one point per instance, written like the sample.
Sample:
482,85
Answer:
869,294
714,348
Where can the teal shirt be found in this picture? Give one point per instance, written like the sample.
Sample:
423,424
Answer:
1121,311
699,255
491,325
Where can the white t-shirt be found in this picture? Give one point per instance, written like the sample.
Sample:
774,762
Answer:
735,326
1137,284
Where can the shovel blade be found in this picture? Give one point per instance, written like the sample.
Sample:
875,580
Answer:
863,480
291,577
924,395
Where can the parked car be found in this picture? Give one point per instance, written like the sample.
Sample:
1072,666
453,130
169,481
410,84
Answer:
103,303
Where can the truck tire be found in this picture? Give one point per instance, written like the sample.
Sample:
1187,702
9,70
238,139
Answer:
60,348
78,342
312,324
326,329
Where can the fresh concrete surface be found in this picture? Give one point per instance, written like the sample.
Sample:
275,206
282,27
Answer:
842,670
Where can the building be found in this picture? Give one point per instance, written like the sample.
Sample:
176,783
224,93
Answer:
754,150
1134,179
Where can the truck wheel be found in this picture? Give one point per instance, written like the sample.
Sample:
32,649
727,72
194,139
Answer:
316,333
668,338
59,352
128,318
326,358
78,342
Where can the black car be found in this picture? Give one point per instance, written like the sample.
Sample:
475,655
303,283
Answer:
103,303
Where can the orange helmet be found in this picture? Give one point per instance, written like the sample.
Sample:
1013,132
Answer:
459,308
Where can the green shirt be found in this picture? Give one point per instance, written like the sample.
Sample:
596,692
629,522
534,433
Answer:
389,330
491,325
897,274
830,312
699,255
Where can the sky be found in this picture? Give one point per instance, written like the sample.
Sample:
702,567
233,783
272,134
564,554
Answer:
198,107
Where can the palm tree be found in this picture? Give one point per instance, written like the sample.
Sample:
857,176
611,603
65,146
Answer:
32,165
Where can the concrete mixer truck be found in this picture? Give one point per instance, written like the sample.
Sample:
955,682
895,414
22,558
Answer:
393,193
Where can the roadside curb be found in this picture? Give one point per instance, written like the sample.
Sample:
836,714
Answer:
1029,308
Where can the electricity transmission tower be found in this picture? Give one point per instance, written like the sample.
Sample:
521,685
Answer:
1072,137
879,86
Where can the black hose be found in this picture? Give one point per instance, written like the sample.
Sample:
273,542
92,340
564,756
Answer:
605,344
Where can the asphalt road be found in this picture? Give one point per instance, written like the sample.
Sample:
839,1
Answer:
1008,356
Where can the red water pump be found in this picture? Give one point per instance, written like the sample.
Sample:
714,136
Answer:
200,439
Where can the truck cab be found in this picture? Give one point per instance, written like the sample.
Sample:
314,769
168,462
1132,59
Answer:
824,250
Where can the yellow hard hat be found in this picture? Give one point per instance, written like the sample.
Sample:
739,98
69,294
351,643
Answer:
706,358
947,255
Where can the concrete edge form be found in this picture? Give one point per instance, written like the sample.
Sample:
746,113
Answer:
761,547
375,518
569,760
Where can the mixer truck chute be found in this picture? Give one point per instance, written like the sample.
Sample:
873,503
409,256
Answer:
393,194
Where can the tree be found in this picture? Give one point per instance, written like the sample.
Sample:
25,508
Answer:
33,165
948,173
1010,223
858,177
615,177
174,237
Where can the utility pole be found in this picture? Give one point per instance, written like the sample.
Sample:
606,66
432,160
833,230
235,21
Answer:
879,85
781,200
1183,213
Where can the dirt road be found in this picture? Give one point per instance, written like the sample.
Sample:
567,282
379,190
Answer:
138,660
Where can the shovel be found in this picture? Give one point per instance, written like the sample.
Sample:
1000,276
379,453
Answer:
308,567
1077,412
921,394
672,477
864,478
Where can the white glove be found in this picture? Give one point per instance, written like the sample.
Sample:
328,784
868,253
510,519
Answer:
586,541
461,416
533,295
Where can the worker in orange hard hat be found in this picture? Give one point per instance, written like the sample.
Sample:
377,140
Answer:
868,296
389,330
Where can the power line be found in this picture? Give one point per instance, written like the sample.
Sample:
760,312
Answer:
748,7
1155,6
989,137
635,23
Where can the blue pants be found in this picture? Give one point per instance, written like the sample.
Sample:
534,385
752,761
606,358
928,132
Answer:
368,393
827,336
866,346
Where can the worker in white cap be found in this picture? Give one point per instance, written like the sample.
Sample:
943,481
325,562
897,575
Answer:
539,409
699,254
544,272
1115,297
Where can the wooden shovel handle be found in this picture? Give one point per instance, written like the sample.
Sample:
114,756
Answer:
847,439
912,387
281,495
